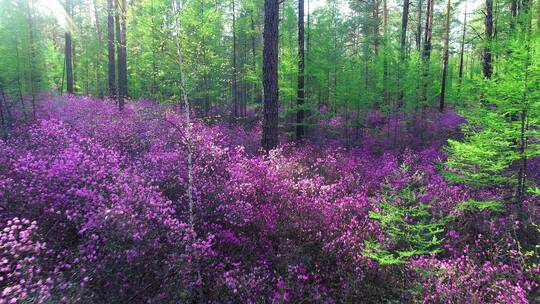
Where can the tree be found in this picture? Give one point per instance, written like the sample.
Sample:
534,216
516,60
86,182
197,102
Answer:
270,75
235,105
121,51
68,53
445,56
110,47
419,27
462,48
487,68
426,54
498,136
403,36
301,93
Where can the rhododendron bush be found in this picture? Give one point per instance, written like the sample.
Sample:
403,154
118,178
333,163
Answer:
94,208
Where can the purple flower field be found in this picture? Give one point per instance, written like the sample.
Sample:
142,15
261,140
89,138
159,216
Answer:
94,208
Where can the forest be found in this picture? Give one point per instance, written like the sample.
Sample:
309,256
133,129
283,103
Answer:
270,151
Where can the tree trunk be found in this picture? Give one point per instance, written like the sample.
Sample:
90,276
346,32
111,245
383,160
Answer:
97,63
69,64
386,92
123,85
110,45
445,56
68,55
121,51
403,44
404,22
235,107
300,95
270,75
487,64
462,49
427,52
513,13
419,27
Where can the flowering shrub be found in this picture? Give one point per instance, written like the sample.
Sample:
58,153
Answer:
104,214
23,275
461,280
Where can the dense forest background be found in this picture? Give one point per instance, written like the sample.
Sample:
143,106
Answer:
267,151
358,56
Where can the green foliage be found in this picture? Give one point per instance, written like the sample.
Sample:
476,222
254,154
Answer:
501,120
410,228
472,205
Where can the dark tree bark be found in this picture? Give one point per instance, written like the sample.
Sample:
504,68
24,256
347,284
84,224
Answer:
523,136
419,27
110,45
270,75
122,77
487,64
404,22
68,55
235,106
426,55
513,13
462,48
300,95
445,56
403,44
385,52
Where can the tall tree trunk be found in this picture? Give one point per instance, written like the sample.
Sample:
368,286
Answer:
235,106
513,13
270,75
188,129
123,85
403,37
462,49
386,92
118,53
121,51
256,92
110,46
97,63
68,55
445,56
426,55
307,76
300,95
403,44
419,27
153,90
487,63
524,123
